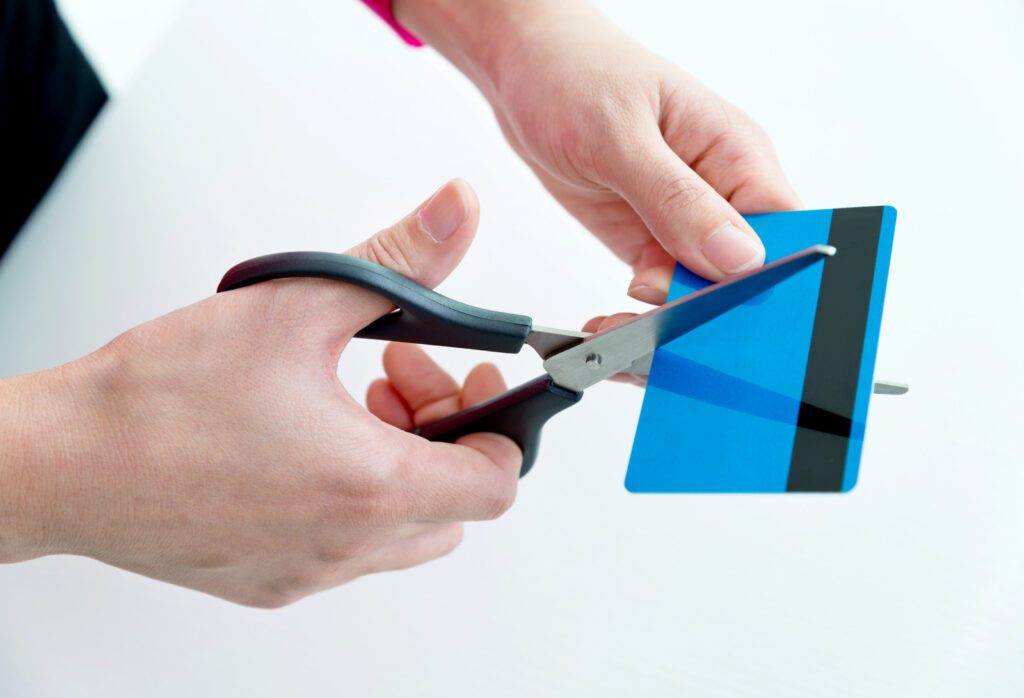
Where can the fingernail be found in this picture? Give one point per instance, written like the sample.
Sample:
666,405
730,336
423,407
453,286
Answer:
646,293
651,285
443,213
731,250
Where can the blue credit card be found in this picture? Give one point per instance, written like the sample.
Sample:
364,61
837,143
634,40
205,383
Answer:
773,395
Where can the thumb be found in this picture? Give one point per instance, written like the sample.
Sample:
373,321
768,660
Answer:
425,246
693,223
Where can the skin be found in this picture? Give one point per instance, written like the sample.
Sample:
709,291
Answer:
215,448
646,157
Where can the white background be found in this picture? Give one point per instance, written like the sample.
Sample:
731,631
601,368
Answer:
253,127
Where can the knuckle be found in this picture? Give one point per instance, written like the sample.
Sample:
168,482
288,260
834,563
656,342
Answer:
395,498
367,499
675,192
334,552
268,599
385,250
344,548
285,589
302,582
500,502
675,197
614,109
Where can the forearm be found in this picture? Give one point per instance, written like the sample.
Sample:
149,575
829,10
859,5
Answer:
21,461
477,37
45,440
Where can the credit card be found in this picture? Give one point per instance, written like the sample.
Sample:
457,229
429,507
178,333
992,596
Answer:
773,395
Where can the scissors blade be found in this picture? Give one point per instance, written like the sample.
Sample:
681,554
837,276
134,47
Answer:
615,350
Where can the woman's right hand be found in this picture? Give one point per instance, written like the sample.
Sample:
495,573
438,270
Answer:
215,448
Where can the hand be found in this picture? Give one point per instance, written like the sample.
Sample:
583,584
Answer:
646,157
214,447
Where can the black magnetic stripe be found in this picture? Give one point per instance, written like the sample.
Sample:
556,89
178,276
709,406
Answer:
837,342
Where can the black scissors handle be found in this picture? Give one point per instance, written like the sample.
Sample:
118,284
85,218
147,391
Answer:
519,414
423,316
426,317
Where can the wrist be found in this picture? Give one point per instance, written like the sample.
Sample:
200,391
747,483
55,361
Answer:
482,38
48,436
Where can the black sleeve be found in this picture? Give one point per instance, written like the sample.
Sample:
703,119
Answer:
49,95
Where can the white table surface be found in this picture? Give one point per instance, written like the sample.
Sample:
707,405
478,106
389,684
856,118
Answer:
264,126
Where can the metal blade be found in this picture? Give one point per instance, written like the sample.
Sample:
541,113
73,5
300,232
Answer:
604,354
890,388
547,341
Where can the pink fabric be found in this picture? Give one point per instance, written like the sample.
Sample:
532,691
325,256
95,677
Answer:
383,10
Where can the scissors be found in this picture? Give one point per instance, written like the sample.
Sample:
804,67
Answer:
573,361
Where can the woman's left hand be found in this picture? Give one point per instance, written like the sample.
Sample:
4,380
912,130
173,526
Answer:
650,160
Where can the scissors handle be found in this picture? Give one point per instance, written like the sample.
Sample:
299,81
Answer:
519,414
423,316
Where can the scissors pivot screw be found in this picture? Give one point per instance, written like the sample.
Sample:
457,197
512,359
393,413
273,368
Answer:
593,360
